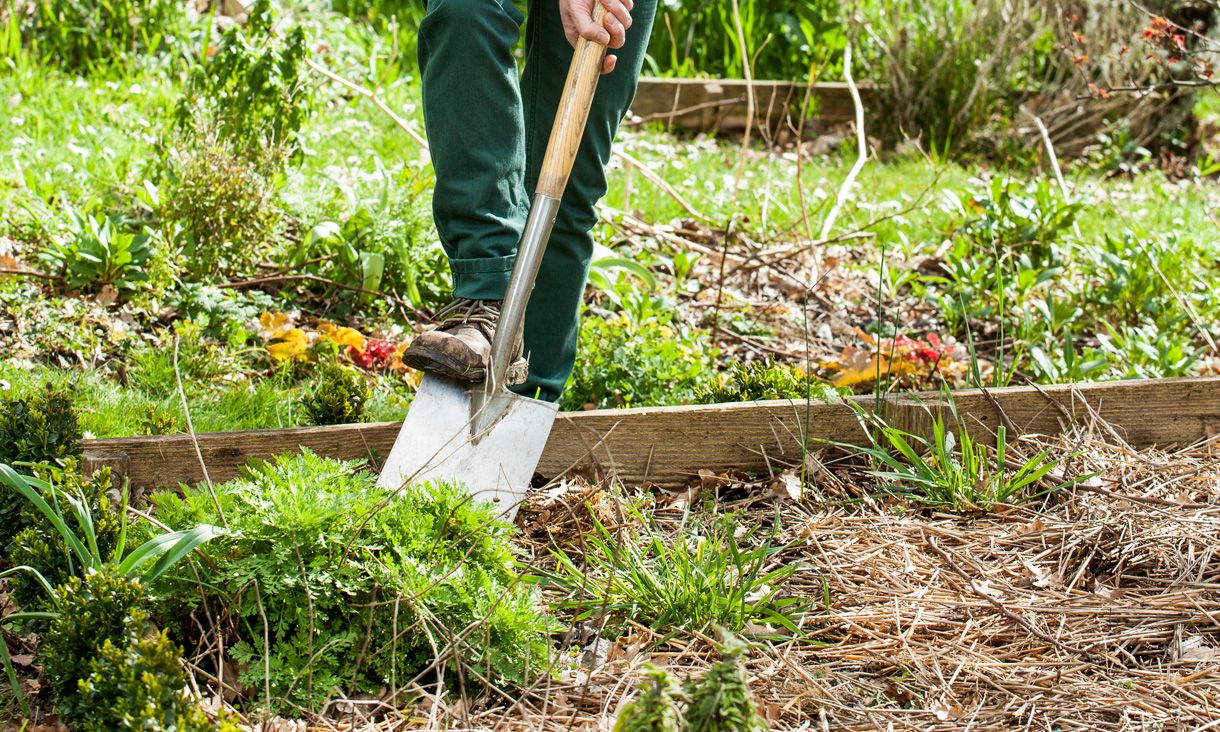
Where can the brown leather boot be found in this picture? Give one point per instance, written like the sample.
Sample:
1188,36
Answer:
460,346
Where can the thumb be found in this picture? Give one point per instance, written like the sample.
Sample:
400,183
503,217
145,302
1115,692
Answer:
592,31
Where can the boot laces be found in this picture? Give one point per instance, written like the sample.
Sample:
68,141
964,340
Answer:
464,311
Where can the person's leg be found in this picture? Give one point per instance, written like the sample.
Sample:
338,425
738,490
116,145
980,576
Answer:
552,319
475,123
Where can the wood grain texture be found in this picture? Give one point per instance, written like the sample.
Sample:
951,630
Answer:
669,445
719,105
568,128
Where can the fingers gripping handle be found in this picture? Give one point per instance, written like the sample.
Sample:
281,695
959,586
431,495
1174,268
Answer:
573,112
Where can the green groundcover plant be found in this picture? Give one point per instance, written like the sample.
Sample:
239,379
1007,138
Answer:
356,589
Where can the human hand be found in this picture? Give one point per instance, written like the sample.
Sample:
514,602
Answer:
577,16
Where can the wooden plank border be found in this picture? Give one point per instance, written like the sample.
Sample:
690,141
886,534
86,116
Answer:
712,105
669,445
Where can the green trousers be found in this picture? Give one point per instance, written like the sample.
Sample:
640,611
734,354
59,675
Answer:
488,128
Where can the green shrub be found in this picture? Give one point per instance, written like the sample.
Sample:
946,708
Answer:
219,207
87,36
629,361
340,396
40,428
387,587
138,684
764,380
94,608
254,93
40,546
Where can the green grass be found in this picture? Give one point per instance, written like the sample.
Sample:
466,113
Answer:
108,409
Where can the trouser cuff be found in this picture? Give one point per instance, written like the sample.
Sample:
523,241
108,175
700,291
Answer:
485,278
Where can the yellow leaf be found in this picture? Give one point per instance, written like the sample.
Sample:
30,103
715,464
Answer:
293,345
272,325
342,336
870,370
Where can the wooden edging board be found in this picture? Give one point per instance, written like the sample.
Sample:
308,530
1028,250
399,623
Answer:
670,445
711,105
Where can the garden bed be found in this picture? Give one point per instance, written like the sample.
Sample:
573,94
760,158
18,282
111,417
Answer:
1096,610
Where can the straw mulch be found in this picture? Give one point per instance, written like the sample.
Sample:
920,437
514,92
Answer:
1098,610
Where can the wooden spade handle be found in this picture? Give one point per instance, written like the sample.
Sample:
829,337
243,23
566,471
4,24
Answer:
573,113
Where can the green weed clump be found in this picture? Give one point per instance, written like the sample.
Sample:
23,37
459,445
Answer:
703,575
339,397
783,38
655,708
717,701
764,380
721,701
950,470
220,207
385,248
628,361
89,36
358,588
97,251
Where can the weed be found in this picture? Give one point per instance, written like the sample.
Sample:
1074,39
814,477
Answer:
156,422
655,708
705,575
222,314
945,69
152,367
382,250
763,380
717,701
721,700
358,591
339,397
693,38
254,93
89,36
220,207
629,360
97,251
950,470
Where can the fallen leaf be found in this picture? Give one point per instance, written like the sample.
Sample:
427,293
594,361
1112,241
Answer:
787,484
